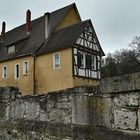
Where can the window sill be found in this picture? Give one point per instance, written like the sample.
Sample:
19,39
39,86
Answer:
56,68
25,74
17,78
4,78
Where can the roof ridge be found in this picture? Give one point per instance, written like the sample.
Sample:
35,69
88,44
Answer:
68,6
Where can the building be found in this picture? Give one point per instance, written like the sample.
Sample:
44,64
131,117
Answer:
53,52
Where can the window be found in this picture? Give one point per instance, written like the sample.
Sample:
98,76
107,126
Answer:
81,59
25,68
4,72
11,49
99,63
88,61
17,71
56,60
93,62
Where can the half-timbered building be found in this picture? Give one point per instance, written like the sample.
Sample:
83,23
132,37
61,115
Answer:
53,52
87,54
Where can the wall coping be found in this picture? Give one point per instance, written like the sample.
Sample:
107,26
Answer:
128,82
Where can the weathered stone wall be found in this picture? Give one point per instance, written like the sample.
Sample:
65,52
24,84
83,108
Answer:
119,111
124,93
124,83
67,107
52,116
108,112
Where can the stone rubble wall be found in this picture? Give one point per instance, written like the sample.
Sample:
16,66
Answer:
67,107
51,116
110,111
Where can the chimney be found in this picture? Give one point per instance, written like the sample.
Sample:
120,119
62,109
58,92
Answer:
3,33
47,24
3,29
28,21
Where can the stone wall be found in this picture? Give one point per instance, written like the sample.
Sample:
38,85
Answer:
52,116
108,112
124,94
68,107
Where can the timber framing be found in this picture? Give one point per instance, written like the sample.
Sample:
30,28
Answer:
87,55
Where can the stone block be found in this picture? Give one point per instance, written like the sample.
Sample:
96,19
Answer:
80,109
129,99
32,111
125,119
101,111
43,115
59,116
64,105
116,84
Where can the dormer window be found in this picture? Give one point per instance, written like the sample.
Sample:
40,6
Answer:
11,49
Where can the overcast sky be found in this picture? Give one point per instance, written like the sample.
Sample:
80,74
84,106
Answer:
116,21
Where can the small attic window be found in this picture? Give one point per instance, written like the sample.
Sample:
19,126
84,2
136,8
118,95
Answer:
11,49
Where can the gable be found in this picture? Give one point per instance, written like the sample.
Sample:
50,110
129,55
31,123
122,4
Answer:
57,16
72,17
88,39
63,38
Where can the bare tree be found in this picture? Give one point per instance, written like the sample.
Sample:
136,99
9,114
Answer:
124,61
135,45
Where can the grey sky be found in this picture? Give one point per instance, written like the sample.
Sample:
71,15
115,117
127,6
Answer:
116,21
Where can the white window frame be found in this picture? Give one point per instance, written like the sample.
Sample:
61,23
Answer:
99,62
54,61
11,49
3,72
24,68
16,71
83,61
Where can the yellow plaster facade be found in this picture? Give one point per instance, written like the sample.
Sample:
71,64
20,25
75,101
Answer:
25,82
50,79
70,19
47,78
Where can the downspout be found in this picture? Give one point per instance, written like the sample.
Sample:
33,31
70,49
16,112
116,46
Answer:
34,67
47,33
34,76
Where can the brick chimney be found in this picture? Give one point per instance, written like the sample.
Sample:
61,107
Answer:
3,29
3,32
28,21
